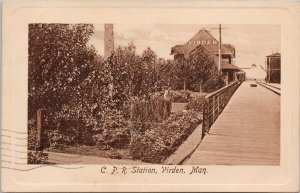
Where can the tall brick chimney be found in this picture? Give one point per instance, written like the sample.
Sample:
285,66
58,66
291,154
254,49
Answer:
108,40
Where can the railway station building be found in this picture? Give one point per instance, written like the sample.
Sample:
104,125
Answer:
204,39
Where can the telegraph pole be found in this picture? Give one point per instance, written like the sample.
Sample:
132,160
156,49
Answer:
220,47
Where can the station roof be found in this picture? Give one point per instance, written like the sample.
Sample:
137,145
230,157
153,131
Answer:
205,39
225,64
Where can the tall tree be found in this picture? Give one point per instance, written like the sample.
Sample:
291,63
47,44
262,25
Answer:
125,70
198,71
204,71
150,72
183,70
61,65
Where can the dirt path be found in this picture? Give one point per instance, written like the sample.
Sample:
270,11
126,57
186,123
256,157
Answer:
64,158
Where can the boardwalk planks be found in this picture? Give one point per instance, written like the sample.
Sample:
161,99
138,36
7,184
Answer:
246,133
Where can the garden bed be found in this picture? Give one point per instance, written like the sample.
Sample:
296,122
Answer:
147,138
159,141
149,142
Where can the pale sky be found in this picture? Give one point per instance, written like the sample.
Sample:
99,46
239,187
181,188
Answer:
252,42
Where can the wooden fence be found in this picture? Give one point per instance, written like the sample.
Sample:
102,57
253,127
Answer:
152,110
215,103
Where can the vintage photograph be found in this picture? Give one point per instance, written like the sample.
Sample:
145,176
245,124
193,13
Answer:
160,96
172,94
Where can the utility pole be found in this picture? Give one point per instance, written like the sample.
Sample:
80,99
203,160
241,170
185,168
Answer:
39,146
220,47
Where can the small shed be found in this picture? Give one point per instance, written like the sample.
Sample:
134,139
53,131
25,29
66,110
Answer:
273,68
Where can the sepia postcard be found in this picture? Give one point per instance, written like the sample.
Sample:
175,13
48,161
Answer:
150,96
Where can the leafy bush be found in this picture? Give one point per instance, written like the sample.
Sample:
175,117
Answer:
113,132
214,83
37,157
181,96
50,138
196,102
161,140
32,135
64,132
60,140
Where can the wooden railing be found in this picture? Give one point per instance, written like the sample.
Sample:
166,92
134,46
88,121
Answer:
215,103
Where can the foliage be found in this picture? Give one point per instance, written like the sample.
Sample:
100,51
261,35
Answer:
125,74
166,72
183,70
214,83
37,157
59,140
32,135
113,132
87,101
195,71
203,66
196,102
60,133
132,75
161,140
181,96
152,81
63,69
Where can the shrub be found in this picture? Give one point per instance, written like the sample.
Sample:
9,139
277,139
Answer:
196,102
37,157
32,135
181,96
118,138
113,132
63,132
214,83
60,140
161,140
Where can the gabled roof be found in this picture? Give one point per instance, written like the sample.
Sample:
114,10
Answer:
227,65
204,38
230,48
224,63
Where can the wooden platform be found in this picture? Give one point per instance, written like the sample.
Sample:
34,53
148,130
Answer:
246,133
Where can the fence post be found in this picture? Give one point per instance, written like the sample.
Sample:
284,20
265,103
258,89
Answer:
131,109
204,119
39,130
213,108
218,105
215,103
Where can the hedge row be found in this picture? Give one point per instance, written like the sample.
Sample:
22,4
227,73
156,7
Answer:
159,141
196,102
